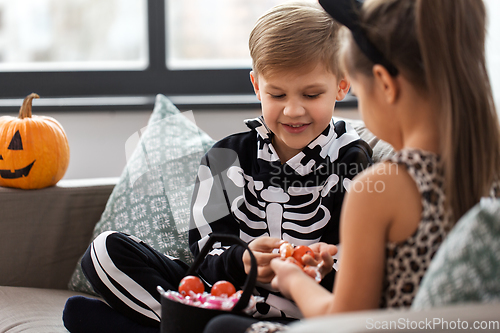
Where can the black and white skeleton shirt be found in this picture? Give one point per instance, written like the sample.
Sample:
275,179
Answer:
243,189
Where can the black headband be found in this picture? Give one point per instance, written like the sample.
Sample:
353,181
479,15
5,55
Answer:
346,13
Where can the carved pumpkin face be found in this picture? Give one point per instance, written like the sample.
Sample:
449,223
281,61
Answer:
34,150
16,144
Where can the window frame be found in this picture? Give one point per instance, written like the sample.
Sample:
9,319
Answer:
99,89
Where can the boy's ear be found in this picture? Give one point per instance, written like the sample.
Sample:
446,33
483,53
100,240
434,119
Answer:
343,89
386,83
255,84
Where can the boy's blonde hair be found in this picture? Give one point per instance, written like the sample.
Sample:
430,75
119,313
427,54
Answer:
292,36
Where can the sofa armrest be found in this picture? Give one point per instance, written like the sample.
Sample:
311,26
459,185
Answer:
44,232
470,316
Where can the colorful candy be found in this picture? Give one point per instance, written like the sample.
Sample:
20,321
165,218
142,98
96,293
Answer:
222,297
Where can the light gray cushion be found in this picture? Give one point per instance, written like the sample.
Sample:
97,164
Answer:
152,198
32,310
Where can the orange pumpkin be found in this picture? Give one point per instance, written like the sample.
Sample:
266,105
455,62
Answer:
34,150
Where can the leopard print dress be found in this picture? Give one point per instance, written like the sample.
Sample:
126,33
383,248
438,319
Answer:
407,261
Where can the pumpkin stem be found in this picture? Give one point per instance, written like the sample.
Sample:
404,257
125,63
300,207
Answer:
25,110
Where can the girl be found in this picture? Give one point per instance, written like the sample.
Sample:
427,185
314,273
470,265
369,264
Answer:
418,69
421,80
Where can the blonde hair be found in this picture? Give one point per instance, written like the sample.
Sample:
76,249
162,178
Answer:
294,36
439,45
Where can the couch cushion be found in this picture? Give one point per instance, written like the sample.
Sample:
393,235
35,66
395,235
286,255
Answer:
466,267
32,310
153,196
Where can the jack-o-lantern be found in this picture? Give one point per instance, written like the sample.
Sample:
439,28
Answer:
34,150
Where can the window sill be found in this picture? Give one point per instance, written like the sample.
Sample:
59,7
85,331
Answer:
125,103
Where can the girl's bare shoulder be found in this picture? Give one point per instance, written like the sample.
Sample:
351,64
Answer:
388,194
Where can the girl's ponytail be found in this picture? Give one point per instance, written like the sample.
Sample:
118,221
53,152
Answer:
451,35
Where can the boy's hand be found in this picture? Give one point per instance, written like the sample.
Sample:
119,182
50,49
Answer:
262,248
323,253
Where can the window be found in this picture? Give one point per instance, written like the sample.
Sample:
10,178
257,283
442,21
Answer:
217,40
59,35
118,54
105,54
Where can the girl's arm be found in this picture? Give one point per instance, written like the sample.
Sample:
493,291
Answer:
375,200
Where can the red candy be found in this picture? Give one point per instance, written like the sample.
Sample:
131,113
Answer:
223,288
191,283
301,251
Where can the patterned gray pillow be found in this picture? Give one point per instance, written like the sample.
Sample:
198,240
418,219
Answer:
153,196
466,267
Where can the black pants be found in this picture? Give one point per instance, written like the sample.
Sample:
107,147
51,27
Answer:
125,272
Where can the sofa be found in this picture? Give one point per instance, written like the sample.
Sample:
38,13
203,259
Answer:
43,234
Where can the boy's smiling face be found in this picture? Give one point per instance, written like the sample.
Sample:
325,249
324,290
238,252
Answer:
298,105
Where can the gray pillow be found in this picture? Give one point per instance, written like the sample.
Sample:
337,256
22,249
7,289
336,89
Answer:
153,196
466,268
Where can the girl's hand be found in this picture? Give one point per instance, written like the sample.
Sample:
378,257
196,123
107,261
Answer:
285,273
262,248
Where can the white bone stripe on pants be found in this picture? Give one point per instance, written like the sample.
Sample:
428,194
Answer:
126,272
105,267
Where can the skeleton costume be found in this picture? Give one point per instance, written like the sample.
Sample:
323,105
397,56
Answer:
244,189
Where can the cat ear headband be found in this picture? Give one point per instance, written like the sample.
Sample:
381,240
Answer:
346,12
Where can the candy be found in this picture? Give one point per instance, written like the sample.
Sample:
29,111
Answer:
189,284
208,301
300,251
294,255
286,250
223,288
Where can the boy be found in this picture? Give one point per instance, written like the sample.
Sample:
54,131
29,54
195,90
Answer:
285,179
